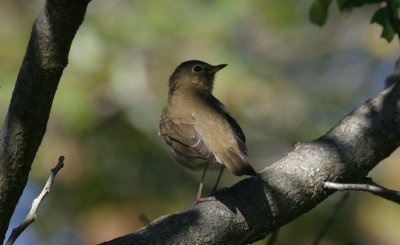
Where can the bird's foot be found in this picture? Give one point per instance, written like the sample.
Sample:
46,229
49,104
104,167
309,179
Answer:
203,199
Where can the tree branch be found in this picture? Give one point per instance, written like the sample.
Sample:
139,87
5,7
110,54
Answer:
380,191
273,238
254,207
25,124
395,76
31,216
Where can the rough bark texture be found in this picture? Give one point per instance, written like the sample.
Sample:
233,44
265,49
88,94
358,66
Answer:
23,129
244,213
254,207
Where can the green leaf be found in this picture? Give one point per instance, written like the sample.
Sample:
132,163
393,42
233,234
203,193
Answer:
319,11
381,17
350,4
396,3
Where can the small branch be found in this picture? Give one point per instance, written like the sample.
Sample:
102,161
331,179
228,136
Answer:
272,239
144,219
331,218
375,189
395,76
31,217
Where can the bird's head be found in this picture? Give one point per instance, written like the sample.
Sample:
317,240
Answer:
194,73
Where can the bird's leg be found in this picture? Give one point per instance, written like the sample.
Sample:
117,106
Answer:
198,197
214,189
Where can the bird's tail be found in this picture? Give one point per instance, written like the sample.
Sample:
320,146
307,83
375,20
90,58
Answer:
238,164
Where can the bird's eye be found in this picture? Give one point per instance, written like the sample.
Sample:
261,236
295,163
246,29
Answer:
197,68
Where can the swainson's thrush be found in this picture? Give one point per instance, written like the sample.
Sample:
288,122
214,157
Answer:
197,127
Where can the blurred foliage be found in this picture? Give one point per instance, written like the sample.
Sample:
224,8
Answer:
287,81
385,15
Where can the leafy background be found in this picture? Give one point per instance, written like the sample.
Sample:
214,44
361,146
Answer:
287,81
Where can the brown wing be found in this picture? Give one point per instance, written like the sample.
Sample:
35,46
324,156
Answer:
182,137
217,105
236,162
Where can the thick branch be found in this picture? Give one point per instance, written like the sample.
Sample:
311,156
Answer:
23,129
254,207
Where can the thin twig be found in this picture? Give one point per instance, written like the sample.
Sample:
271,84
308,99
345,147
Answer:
144,219
395,76
330,219
375,189
31,216
274,236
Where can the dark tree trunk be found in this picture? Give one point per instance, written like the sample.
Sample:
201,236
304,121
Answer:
23,129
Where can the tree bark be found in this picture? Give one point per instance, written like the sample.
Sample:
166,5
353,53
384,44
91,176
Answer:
254,207
243,213
25,124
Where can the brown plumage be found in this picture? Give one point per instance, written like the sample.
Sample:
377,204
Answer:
197,127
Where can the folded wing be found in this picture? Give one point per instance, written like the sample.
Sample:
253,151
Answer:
181,136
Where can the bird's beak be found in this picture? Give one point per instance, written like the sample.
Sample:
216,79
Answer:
216,68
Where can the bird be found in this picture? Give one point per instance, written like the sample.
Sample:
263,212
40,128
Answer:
197,128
